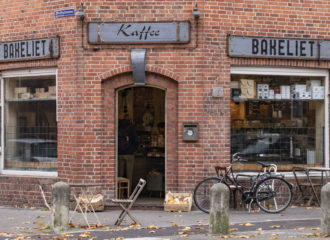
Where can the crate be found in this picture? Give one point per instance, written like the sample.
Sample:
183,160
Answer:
97,201
177,202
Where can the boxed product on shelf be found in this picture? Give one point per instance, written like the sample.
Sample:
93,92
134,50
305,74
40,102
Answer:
24,95
285,92
248,88
278,96
40,90
317,92
271,94
52,89
21,90
41,95
263,91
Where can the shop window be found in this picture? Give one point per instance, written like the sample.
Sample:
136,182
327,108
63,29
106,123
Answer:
30,136
279,119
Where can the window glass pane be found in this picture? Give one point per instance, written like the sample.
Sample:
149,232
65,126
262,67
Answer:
30,124
278,119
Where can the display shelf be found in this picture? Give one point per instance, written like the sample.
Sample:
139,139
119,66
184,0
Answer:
238,99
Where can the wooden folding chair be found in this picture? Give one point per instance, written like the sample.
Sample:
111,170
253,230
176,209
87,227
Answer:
126,204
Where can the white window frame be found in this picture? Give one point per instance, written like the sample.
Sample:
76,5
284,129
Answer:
277,71
23,73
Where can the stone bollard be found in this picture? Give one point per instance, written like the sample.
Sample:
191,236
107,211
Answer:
325,209
219,211
60,207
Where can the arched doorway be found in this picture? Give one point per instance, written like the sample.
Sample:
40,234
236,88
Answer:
141,138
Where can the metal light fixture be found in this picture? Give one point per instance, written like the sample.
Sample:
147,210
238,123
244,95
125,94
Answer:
81,12
196,13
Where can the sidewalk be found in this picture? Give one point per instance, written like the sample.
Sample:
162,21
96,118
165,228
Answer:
298,222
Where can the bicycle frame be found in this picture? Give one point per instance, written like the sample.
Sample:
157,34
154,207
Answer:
230,177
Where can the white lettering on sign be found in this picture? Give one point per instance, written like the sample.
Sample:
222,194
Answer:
240,46
29,49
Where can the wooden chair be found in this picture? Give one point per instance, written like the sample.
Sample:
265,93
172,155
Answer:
126,204
123,187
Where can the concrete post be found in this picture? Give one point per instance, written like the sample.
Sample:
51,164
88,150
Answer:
325,209
60,207
219,212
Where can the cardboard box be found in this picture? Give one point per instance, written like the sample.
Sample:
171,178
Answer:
177,202
52,89
21,90
41,95
23,95
248,88
40,90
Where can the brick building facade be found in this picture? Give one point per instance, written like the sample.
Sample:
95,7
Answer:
91,77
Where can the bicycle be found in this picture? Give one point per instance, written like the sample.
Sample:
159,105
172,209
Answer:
269,190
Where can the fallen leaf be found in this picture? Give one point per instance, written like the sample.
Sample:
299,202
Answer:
85,235
243,236
186,229
309,208
40,223
259,229
233,229
152,232
275,226
273,238
152,227
72,225
246,224
301,228
275,234
316,228
293,206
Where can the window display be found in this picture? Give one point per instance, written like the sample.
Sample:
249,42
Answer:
278,118
30,123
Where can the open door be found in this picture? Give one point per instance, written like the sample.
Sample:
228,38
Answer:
141,139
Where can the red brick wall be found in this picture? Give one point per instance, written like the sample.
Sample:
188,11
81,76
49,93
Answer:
87,79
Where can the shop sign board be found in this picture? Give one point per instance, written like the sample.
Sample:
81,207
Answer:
29,49
240,46
139,32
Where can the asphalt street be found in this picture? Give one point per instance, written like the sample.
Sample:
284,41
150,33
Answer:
295,222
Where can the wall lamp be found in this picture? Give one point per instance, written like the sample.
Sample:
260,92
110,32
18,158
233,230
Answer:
196,13
81,12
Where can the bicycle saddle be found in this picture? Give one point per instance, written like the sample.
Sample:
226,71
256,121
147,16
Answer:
264,164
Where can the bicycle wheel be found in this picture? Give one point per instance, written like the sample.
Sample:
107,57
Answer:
202,193
273,194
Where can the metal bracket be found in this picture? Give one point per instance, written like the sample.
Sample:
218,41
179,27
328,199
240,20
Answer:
138,58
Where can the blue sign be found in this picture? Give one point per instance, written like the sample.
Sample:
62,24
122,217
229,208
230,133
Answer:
64,13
